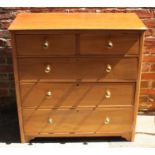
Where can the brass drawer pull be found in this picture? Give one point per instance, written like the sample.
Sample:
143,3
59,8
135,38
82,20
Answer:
50,121
46,45
48,69
108,68
110,44
107,121
108,94
49,93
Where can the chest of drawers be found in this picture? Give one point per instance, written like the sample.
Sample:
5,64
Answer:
77,74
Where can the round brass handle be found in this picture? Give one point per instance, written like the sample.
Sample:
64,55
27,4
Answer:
49,93
50,121
46,45
47,69
107,121
110,44
108,94
108,68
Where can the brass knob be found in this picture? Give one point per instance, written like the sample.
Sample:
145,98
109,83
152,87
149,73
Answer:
47,69
50,121
107,121
108,68
49,93
108,94
110,44
46,44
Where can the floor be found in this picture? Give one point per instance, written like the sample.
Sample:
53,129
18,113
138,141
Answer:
9,135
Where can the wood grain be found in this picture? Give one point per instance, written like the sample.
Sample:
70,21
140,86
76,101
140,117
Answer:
58,44
138,86
75,95
77,69
69,21
97,43
17,88
78,80
77,121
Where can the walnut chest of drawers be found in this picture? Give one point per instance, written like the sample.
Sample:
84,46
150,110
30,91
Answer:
77,74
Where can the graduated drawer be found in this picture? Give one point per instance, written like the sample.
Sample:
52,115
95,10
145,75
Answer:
109,43
63,121
73,95
39,44
77,69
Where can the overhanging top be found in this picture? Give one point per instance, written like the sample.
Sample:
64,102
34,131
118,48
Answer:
77,21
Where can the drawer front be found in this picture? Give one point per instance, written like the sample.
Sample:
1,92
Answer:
73,95
77,69
77,121
115,43
54,44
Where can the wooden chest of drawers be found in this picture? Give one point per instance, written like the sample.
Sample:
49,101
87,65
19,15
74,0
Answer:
77,74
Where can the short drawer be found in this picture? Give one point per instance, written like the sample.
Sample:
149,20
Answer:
74,95
77,69
109,43
39,44
63,121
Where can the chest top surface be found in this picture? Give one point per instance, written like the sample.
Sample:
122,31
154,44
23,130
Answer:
77,21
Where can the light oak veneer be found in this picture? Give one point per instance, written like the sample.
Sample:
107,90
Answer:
77,74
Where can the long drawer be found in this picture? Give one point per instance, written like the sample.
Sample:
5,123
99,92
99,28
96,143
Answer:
63,121
77,69
73,95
